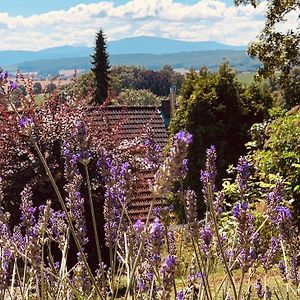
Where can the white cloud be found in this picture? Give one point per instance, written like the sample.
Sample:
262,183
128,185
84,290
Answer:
205,20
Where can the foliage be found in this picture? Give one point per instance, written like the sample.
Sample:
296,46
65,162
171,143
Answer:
37,88
21,90
54,124
101,68
291,89
286,95
82,86
85,83
279,51
217,110
129,83
130,97
158,82
280,152
50,87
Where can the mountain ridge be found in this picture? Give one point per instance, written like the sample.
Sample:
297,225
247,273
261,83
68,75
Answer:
133,45
182,60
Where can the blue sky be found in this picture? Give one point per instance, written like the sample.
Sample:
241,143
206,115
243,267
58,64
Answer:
31,7
35,25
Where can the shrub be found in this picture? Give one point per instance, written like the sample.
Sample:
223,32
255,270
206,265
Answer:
280,153
129,97
133,77
217,110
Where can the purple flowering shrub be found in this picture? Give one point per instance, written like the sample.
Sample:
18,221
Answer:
66,186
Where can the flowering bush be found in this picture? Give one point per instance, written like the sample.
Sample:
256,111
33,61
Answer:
58,142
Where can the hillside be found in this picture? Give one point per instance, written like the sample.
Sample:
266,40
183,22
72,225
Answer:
184,60
155,45
11,57
187,60
146,45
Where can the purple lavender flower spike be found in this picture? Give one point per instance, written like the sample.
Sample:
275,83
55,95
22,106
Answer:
268,293
259,289
180,135
219,204
294,272
144,278
4,269
172,242
149,276
80,132
58,228
27,209
184,136
74,201
184,168
139,226
117,175
26,125
243,174
141,285
3,76
12,86
81,136
153,153
247,240
206,237
156,241
284,214
278,214
170,262
208,176
268,258
210,165
171,169
180,295
17,238
283,270
168,272
191,211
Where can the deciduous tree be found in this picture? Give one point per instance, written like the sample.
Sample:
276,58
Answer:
130,97
37,88
278,50
217,110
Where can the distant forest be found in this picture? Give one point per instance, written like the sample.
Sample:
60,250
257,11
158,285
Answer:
184,60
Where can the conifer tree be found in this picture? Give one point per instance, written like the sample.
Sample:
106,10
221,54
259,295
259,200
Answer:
101,68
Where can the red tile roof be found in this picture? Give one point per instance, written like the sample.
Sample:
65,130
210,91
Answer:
141,199
133,122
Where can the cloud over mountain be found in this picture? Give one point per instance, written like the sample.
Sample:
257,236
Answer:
205,20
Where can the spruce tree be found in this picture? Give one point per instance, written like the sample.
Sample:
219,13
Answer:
101,68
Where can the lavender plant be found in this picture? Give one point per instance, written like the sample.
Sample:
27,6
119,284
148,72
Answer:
90,170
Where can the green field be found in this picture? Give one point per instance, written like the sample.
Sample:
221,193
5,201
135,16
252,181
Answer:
246,77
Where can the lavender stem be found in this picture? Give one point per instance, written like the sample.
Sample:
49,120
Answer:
94,221
228,271
58,194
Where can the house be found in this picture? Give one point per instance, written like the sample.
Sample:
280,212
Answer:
133,122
